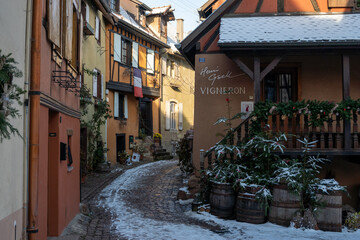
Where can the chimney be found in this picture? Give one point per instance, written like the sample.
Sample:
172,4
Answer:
180,29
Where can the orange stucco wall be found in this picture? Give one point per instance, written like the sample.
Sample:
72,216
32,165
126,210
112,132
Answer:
58,190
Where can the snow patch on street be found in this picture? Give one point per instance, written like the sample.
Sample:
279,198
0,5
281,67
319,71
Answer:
130,223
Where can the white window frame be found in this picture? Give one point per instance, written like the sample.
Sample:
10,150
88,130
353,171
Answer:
150,61
135,54
117,47
172,111
97,28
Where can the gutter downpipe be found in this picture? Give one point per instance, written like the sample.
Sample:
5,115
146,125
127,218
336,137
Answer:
34,93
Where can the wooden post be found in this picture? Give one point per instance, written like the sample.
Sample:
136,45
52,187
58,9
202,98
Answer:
202,153
330,130
257,79
355,127
346,95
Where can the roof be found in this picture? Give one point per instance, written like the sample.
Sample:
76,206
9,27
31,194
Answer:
320,29
126,19
159,10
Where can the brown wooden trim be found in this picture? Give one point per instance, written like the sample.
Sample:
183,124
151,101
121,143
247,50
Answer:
212,39
244,68
257,79
280,5
53,104
315,5
259,5
346,95
270,67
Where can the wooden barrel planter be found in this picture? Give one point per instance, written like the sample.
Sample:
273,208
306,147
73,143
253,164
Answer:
222,200
329,218
248,209
283,206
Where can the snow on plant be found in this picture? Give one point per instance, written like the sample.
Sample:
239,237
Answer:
301,177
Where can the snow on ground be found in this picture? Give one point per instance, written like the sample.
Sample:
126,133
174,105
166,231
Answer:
130,223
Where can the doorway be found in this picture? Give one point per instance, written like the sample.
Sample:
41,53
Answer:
146,121
120,145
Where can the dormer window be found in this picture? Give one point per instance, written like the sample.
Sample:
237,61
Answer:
114,5
163,27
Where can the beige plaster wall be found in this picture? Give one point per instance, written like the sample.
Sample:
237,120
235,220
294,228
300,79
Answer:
93,57
210,104
13,155
184,95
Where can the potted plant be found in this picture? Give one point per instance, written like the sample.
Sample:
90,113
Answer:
157,137
123,156
300,176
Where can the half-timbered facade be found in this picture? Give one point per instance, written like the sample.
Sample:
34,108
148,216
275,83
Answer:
133,77
249,51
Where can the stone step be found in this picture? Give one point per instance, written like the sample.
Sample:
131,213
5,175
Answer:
165,157
161,153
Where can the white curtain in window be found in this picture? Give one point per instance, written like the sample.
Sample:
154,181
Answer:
180,116
117,47
126,113
150,61
167,115
95,83
135,54
116,104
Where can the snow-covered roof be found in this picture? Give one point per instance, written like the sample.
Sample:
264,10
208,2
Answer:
127,18
171,37
290,30
159,10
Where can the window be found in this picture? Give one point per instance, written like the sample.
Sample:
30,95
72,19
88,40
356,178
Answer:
97,84
163,65
85,11
114,5
163,27
117,47
135,54
173,116
97,29
172,69
64,29
125,51
280,86
150,61
120,106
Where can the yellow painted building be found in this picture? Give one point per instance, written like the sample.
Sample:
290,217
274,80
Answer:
95,17
177,103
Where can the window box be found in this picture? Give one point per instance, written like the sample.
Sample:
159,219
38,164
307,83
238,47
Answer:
341,3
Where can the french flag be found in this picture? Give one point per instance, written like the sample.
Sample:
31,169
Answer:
137,83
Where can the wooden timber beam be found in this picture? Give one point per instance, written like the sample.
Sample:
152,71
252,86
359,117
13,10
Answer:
346,95
257,75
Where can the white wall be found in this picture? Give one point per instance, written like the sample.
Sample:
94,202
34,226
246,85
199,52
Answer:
13,28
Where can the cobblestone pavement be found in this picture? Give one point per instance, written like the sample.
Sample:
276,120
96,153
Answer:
142,198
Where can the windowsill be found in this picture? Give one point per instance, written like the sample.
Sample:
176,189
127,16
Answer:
120,118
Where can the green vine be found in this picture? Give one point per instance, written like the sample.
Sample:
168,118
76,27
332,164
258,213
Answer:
317,112
9,93
95,149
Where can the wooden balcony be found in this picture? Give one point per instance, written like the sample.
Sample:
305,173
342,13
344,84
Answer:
334,137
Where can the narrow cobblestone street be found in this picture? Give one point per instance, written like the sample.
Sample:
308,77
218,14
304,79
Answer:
144,195
139,202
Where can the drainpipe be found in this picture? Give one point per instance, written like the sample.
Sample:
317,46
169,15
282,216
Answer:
34,93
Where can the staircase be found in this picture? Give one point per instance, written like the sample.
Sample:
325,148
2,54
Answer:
160,154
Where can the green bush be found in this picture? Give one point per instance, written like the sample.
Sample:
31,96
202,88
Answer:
353,221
